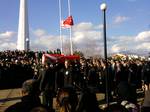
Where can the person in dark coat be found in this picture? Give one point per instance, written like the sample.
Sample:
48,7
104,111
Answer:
88,101
146,75
124,92
67,99
59,76
47,85
93,76
68,74
30,98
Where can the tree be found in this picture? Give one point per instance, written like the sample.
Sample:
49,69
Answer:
79,53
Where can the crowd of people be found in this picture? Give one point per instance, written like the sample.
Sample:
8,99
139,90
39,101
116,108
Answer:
64,80
18,66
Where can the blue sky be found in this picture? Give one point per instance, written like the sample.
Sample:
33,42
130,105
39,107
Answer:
128,25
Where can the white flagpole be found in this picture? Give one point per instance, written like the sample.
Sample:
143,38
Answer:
69,8
60,30
69,13
71,41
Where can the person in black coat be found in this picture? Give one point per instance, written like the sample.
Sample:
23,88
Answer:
146,75
59,76
68,74
125,92
93,76
88,101
30,98
47,85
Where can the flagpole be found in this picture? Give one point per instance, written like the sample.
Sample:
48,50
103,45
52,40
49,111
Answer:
69,13
69,8
60,30
71,40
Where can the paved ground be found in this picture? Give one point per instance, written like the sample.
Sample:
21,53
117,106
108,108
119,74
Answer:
11,96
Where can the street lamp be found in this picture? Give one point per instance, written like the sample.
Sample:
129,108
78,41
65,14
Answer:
27,44
103,7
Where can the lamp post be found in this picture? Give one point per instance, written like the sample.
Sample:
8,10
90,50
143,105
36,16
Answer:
103,7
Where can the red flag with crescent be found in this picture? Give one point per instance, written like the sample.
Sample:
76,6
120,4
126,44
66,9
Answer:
67,23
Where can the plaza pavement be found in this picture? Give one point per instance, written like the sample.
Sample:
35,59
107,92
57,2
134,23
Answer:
9,97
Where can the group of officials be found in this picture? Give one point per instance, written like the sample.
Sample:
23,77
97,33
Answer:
124,77
54,77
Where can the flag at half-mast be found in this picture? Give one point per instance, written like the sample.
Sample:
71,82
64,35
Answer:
67,23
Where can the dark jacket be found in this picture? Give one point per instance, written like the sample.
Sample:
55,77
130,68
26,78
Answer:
47,80
125,92
145,73
88,102
68,76
27,103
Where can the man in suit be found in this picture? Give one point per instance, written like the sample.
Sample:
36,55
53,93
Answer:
47,84
30,98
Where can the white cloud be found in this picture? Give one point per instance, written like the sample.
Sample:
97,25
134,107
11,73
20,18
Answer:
131,43
116,48
121,39
7,40
99,26
143,36
84,35
83,26
7,35
86,38
44,41
8,46
39,32
120,19
144,46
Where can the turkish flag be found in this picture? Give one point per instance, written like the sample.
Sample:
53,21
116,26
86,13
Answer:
67,23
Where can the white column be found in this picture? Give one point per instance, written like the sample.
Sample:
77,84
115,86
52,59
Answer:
23,27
